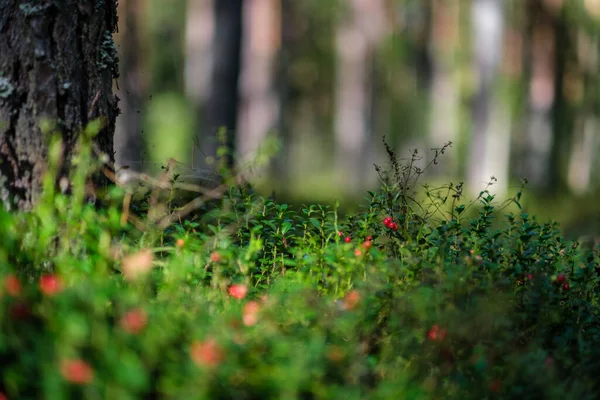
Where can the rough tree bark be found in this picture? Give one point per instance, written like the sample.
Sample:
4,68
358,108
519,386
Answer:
57,62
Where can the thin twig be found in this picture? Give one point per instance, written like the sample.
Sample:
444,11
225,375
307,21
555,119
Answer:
93,104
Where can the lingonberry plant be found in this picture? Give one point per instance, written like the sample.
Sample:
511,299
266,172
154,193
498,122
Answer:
235,295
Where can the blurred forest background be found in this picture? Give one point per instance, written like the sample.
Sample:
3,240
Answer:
513,84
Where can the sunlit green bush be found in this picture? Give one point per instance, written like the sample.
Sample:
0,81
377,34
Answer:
247,298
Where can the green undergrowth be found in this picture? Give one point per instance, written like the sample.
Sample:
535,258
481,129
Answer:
246,298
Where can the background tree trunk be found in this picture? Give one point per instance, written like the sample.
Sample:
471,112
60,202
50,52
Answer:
57,63
490,143
286,96
258,112
534,158
444,91
358,35
222,107
128,137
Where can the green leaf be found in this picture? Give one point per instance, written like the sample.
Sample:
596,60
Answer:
286,226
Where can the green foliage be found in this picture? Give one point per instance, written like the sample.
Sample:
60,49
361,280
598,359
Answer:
249,298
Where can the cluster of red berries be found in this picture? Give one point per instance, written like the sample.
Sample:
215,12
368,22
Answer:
437,334
49,285
561,279
347,239
390,224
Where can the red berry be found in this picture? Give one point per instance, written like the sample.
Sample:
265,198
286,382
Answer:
340,234
387,221
206,353
347,239
77,371
437,334
530,277
215,257
566,286
50,285
561,278
134,321
238,291
12,285
357,252
250,313
393,226
351,299
369,238
495,386
367,244
20,311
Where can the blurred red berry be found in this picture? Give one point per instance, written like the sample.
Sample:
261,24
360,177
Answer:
335,353
206,353
340,234
134,321
351,299
561,278
50,284
566,286
12,285
20,311
357,253
495,385
3,396
238,291
180,243
138,264
530,277
436,334
369,238
549,361
367,244
387,221
250,313
347,239
77,371
215,257
393,226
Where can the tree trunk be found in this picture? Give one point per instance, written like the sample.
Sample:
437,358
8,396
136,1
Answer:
539,68
444,97
490,144
356,39
286,96
258,105
562,112
199,38
57,62
222,107
128,136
